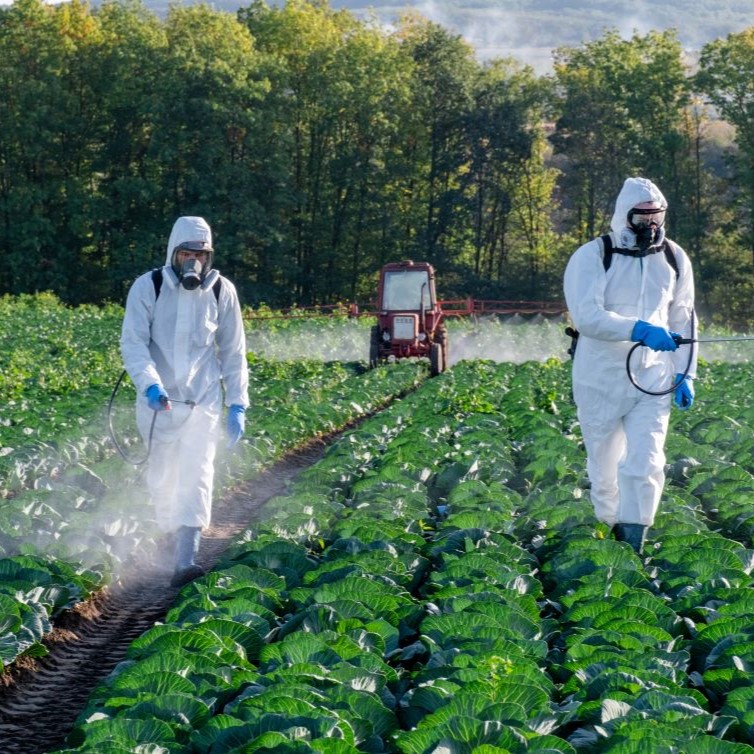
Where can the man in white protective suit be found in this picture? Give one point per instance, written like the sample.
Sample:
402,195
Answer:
630,286
183,345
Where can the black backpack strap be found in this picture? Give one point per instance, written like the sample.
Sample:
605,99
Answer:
217,287
667,248
607,251
157,281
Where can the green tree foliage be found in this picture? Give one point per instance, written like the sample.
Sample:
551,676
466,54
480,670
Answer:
119,125
511,185
126,195
337,99
49,117
726,75
205,146
442,90
320,146
621,104
630,107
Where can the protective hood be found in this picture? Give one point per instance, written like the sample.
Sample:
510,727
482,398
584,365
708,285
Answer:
188,230
635,191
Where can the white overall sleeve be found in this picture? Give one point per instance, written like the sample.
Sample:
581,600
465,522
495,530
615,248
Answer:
136,336
584,287
231,344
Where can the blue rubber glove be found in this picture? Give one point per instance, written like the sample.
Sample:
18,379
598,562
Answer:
653,336
157,398
684,393
236,423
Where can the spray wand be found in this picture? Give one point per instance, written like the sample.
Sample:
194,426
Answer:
732,339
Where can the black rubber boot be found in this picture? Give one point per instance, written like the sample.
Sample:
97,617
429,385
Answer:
186,549
184,575
633,534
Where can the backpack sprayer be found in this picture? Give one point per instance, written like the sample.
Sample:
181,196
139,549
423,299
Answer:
164,400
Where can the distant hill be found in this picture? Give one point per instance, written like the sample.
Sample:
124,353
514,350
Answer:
529,30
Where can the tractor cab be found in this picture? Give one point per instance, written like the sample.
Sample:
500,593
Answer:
407,289
409,317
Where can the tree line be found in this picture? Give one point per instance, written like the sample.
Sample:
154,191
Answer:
320,146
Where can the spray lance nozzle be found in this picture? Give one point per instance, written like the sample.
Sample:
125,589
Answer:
164,400
681,341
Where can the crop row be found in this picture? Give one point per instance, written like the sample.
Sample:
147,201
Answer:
437,583
65,528
626,652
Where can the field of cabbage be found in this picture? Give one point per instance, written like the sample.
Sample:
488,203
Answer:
435,584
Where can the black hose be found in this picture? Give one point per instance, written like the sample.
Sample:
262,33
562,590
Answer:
680,341
118,447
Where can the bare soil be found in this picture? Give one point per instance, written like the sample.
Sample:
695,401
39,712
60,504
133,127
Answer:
41,698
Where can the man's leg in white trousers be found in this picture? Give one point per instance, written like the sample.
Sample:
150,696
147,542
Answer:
641,475
605,444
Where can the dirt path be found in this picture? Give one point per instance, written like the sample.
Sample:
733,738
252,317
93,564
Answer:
40,699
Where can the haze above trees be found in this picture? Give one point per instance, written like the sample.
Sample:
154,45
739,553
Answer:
529,30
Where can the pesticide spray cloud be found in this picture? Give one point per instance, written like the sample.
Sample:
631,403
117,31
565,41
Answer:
517,339
514,339
97,516
317,339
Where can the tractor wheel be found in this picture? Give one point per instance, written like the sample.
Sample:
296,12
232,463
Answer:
374,347
442,339
436,359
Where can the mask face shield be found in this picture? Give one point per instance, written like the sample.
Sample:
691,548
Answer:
191,262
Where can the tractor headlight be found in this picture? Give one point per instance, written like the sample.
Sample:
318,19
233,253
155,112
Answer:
386,336
422,336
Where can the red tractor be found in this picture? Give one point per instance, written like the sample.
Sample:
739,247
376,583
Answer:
409,317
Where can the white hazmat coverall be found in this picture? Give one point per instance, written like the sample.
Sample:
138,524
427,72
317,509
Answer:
624,430
194,346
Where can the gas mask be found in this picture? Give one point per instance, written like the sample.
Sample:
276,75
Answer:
646,221
191,274
192,271
645,237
